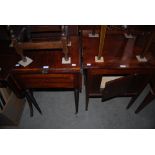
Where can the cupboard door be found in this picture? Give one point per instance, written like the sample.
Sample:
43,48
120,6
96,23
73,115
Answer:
124,86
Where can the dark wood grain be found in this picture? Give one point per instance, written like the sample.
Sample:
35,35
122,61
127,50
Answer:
118,51
60,76
44,45
114,53
53,59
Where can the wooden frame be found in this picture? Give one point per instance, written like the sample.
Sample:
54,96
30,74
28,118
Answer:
60,44
118,62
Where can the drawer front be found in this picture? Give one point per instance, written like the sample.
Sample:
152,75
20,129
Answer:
46,80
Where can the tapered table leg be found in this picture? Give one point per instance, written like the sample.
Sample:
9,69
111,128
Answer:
29,103
1,107
87,101
35,103
32,101
76,95
146,101
133,99
86,90
140,89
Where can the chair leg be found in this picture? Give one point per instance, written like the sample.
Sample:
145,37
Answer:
76,95
145,102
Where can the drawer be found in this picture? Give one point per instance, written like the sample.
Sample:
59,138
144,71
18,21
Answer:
45,80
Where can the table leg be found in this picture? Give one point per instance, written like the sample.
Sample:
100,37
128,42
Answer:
29,103
34,102
31,98
146,101
87,102
133,99
76,95
141,83
86,90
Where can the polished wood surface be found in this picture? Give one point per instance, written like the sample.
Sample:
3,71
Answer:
58,75
53,59
52,37
115,53
43,45
120,59
46,46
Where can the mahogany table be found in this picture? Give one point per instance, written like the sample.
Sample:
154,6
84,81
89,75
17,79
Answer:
119,60
47,72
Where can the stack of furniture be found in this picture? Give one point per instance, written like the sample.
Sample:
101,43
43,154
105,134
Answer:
119,73
11,106
115,60
55,53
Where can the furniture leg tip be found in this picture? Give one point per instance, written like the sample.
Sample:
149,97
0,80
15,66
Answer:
127,107
136,112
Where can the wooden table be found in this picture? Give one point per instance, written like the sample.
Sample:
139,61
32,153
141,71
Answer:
119,60
57,76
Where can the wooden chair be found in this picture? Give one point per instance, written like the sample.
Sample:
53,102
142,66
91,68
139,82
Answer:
39,37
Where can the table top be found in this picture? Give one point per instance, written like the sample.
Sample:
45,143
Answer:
53,59
118,52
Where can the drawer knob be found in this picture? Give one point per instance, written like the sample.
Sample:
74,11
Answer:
45,69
